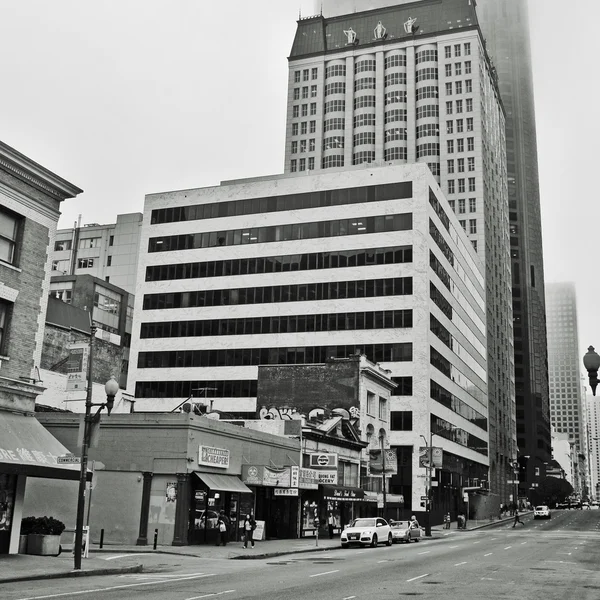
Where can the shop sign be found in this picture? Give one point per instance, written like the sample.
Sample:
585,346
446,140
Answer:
320,460
305,479
344,494
286,491
328,477
266,476
213,457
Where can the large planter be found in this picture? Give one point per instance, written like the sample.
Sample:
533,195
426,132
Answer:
22,544
43,545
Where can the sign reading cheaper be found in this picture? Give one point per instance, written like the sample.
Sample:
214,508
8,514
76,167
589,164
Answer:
213,457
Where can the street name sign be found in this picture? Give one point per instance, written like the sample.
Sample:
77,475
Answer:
68,459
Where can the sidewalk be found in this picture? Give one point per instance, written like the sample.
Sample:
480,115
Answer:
26,567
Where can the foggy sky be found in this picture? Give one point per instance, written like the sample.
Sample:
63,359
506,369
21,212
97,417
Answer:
130,97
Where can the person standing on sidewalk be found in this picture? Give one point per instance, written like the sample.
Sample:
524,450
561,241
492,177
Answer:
222,529
249,527
517,519
330,524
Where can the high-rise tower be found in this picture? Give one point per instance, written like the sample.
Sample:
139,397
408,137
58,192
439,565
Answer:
413,83
505,28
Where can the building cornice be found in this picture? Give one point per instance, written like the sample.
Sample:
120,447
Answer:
34,174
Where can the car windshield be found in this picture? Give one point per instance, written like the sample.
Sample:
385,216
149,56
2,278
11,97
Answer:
541,508
399,524
364,523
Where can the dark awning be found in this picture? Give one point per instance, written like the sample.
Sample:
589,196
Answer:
27,448
343,494
223,483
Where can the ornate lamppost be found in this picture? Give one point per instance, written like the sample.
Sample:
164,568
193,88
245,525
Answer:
591,362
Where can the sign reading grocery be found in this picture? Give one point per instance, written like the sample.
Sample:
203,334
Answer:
213,457
328,477
320,460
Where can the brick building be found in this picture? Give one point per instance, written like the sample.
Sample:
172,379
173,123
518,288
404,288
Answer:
30,197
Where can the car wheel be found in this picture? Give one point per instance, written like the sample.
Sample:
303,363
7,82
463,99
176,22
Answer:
390,540
345,546
374,541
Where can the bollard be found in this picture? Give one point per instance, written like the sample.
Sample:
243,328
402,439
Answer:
101,538
155,539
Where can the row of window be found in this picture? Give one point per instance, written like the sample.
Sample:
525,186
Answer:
309,292
333,161
462,205
281,233
304,128
458,69
332,142
460,145
461,185
305,145
314,73
338,87
364,65
281,264
233,388
440,301
427,130
365,83
459,436
395,79
472,227
458,87
302,164
428,91
429,149
366,156
459,125
313,92
459,106
335,106
336,123
232,357
395,97
395,133
427,73
457,50
364,120
426,56
387,319
338,197
460,165
395,154
439,211
438,269
395,60
442,244
365,137
364,101
429,110
396,114
296,110
335,71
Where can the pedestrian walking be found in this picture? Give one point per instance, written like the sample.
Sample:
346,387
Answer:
249,527
448,520
330,524
517,519
414,524
222,529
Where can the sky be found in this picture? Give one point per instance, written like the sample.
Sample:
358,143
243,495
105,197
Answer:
129,97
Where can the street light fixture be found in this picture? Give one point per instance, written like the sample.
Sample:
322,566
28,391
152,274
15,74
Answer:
111,388
591,362
429,487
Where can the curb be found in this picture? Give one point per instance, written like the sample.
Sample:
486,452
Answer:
82,573
282,553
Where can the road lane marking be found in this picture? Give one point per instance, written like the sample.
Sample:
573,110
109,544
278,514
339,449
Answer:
460,563
523,543
476,542
508,547
489,579
488,554
125,555
211,595
382,561
349,597
325,573
116,587
415,578
426,552
450,547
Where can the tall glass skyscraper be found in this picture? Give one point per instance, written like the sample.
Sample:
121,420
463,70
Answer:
506,30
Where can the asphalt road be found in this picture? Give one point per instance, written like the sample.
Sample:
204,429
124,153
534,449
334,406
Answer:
549,560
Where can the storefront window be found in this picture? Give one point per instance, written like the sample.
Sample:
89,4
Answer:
7,503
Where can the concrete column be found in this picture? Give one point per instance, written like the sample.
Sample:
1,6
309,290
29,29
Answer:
182,510
145,509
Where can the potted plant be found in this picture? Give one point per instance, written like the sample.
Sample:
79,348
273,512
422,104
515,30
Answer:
44,535
26,528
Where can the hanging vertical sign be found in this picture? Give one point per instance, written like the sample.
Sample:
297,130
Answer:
77,367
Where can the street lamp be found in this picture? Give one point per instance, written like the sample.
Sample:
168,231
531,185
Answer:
428,501
382,440
591,362
111,388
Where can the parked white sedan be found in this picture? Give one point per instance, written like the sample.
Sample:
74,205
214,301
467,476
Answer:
367,532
